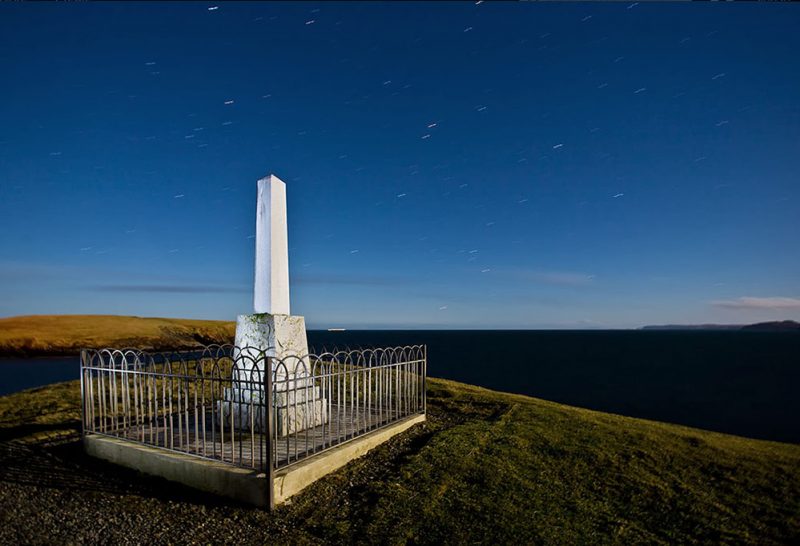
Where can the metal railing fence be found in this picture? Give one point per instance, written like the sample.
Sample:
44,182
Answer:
219,403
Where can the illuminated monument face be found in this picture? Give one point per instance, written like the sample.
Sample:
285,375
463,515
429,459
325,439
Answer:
271,329
272,249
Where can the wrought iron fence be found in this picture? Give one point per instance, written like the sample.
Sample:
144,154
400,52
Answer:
220,403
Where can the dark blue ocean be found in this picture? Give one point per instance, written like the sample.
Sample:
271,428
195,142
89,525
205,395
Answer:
742,383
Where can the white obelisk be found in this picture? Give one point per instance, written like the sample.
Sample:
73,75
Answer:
272,248
272,331
271,328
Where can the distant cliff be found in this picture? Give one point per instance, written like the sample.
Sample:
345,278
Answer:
774,326
47,335
693,327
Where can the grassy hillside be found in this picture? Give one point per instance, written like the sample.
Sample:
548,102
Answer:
41,335
488,467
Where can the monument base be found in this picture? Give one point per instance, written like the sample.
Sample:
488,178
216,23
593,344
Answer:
288,419
279,335
297,402
295,410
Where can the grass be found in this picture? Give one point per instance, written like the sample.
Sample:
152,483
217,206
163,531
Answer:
488,467
40,335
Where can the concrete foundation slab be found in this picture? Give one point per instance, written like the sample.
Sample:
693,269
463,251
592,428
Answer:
293,479
245,485
248,486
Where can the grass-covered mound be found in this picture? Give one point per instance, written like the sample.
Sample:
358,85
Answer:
488,467
40,335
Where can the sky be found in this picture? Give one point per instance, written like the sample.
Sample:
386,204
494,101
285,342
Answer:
448,165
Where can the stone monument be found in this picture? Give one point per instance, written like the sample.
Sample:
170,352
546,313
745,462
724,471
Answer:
272,331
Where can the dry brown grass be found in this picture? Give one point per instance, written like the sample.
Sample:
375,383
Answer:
40,335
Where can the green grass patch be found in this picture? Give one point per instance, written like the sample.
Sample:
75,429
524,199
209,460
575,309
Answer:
487,467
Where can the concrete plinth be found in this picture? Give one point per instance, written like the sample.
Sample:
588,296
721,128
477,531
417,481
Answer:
248,486
280,336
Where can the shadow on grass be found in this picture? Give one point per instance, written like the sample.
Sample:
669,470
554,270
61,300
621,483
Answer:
63,464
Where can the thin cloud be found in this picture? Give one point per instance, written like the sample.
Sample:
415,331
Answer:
169,288
12,271
774,303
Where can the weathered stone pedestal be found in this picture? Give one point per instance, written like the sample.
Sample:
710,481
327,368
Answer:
298,403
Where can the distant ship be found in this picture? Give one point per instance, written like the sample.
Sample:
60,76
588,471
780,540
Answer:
336,329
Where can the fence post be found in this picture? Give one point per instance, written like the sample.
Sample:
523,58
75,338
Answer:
83,394
425,379
270,471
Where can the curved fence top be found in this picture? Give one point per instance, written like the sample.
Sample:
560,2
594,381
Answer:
247,357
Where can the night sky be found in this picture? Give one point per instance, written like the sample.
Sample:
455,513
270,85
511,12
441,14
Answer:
465,165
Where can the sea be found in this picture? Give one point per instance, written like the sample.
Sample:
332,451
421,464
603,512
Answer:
738,382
